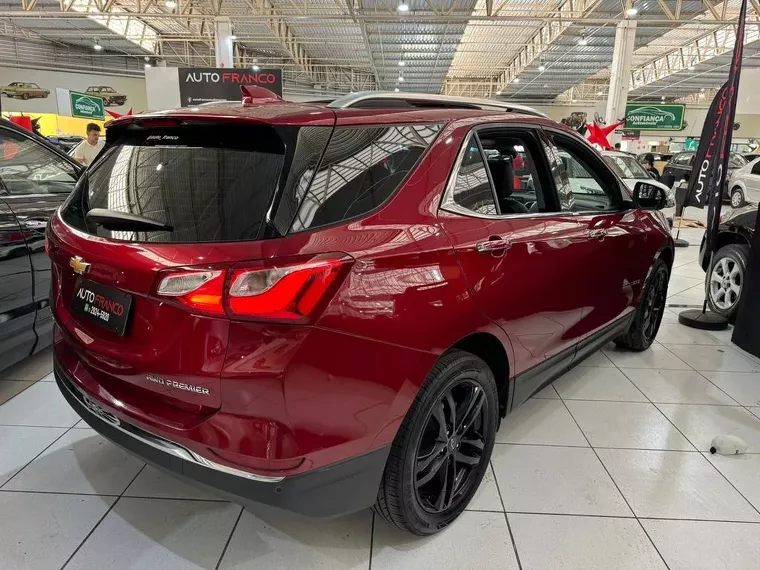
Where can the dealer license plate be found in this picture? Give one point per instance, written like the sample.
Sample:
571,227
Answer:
102,305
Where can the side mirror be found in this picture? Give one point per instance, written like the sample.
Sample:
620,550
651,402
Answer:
648,196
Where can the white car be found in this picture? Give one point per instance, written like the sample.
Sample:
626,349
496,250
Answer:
631,172
744,185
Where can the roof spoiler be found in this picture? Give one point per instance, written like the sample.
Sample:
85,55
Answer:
255,95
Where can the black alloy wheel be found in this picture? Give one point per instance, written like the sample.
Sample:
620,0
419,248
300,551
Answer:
450,448
648,317
441,451
654,304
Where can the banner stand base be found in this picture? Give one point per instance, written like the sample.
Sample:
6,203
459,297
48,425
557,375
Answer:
706,321
678,242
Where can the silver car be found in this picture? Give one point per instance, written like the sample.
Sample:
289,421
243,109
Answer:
631,172
744,185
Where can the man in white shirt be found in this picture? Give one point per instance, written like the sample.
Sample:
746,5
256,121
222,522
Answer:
86,151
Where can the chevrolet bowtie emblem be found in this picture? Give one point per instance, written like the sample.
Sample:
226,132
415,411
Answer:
79,265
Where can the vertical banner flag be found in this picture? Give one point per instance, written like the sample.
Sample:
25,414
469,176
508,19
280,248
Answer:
708,177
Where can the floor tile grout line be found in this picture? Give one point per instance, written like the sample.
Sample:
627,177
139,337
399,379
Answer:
738,403
89,534
751,504
101,519
229,538
628,517
597,455
371,540
506,518
695,447
599,459
32,383
514,542
662,413
36,456
612,448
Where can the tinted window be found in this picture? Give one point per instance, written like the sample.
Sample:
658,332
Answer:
682,159
736,161
27,167
510,157
592,188
626,167
361,168
472,187
211,184
756,167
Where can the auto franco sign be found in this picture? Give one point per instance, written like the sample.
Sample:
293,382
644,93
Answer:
198,85
652,117
86,106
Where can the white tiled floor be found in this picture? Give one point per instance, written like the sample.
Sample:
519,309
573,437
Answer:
604,470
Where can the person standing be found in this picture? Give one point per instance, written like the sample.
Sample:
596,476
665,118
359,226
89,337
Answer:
86,151
649,165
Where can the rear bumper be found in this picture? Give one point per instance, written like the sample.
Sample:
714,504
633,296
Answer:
344,487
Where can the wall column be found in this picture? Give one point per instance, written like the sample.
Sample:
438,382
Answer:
222,41
620,73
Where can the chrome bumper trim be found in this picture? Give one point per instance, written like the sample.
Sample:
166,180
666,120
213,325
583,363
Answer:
160,443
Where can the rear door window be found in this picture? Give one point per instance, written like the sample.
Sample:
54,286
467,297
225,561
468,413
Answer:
361,168
210,183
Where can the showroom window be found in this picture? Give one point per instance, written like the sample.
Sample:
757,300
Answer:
361,168
27,167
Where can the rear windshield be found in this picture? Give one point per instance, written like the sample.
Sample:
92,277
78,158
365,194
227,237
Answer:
214,183
209,183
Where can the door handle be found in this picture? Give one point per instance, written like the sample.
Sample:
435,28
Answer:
493,245
598,233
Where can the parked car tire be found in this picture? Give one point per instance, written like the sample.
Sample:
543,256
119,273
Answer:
737,197
25,96
648,316
419,491
725,279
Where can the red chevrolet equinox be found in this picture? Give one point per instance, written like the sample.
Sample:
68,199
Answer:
325,307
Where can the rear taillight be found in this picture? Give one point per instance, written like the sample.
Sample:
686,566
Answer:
201,290
292,291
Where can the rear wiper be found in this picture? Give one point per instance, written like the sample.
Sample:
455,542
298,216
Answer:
122,221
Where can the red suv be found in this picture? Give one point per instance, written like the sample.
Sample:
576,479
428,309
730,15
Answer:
325,307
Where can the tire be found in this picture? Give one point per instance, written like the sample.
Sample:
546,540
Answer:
737,198
404,499
725,279
25,96
648,316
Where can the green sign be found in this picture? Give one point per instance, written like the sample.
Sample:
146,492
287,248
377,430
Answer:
86,106
690,144
653,117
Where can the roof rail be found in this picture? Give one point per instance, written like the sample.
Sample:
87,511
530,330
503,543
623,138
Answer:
364,99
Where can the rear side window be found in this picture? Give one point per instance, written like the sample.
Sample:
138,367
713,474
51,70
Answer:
361,168
210,183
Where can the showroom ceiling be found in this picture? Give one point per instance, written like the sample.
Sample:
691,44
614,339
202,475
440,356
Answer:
535,50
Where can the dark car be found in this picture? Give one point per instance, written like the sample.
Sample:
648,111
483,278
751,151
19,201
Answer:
725,278
329,307
35,178
681,165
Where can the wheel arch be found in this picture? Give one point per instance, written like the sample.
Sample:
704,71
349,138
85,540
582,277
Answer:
490,349
726,238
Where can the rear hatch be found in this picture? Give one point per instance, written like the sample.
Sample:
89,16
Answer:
143,253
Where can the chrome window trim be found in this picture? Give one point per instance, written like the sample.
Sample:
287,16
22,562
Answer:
449,205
